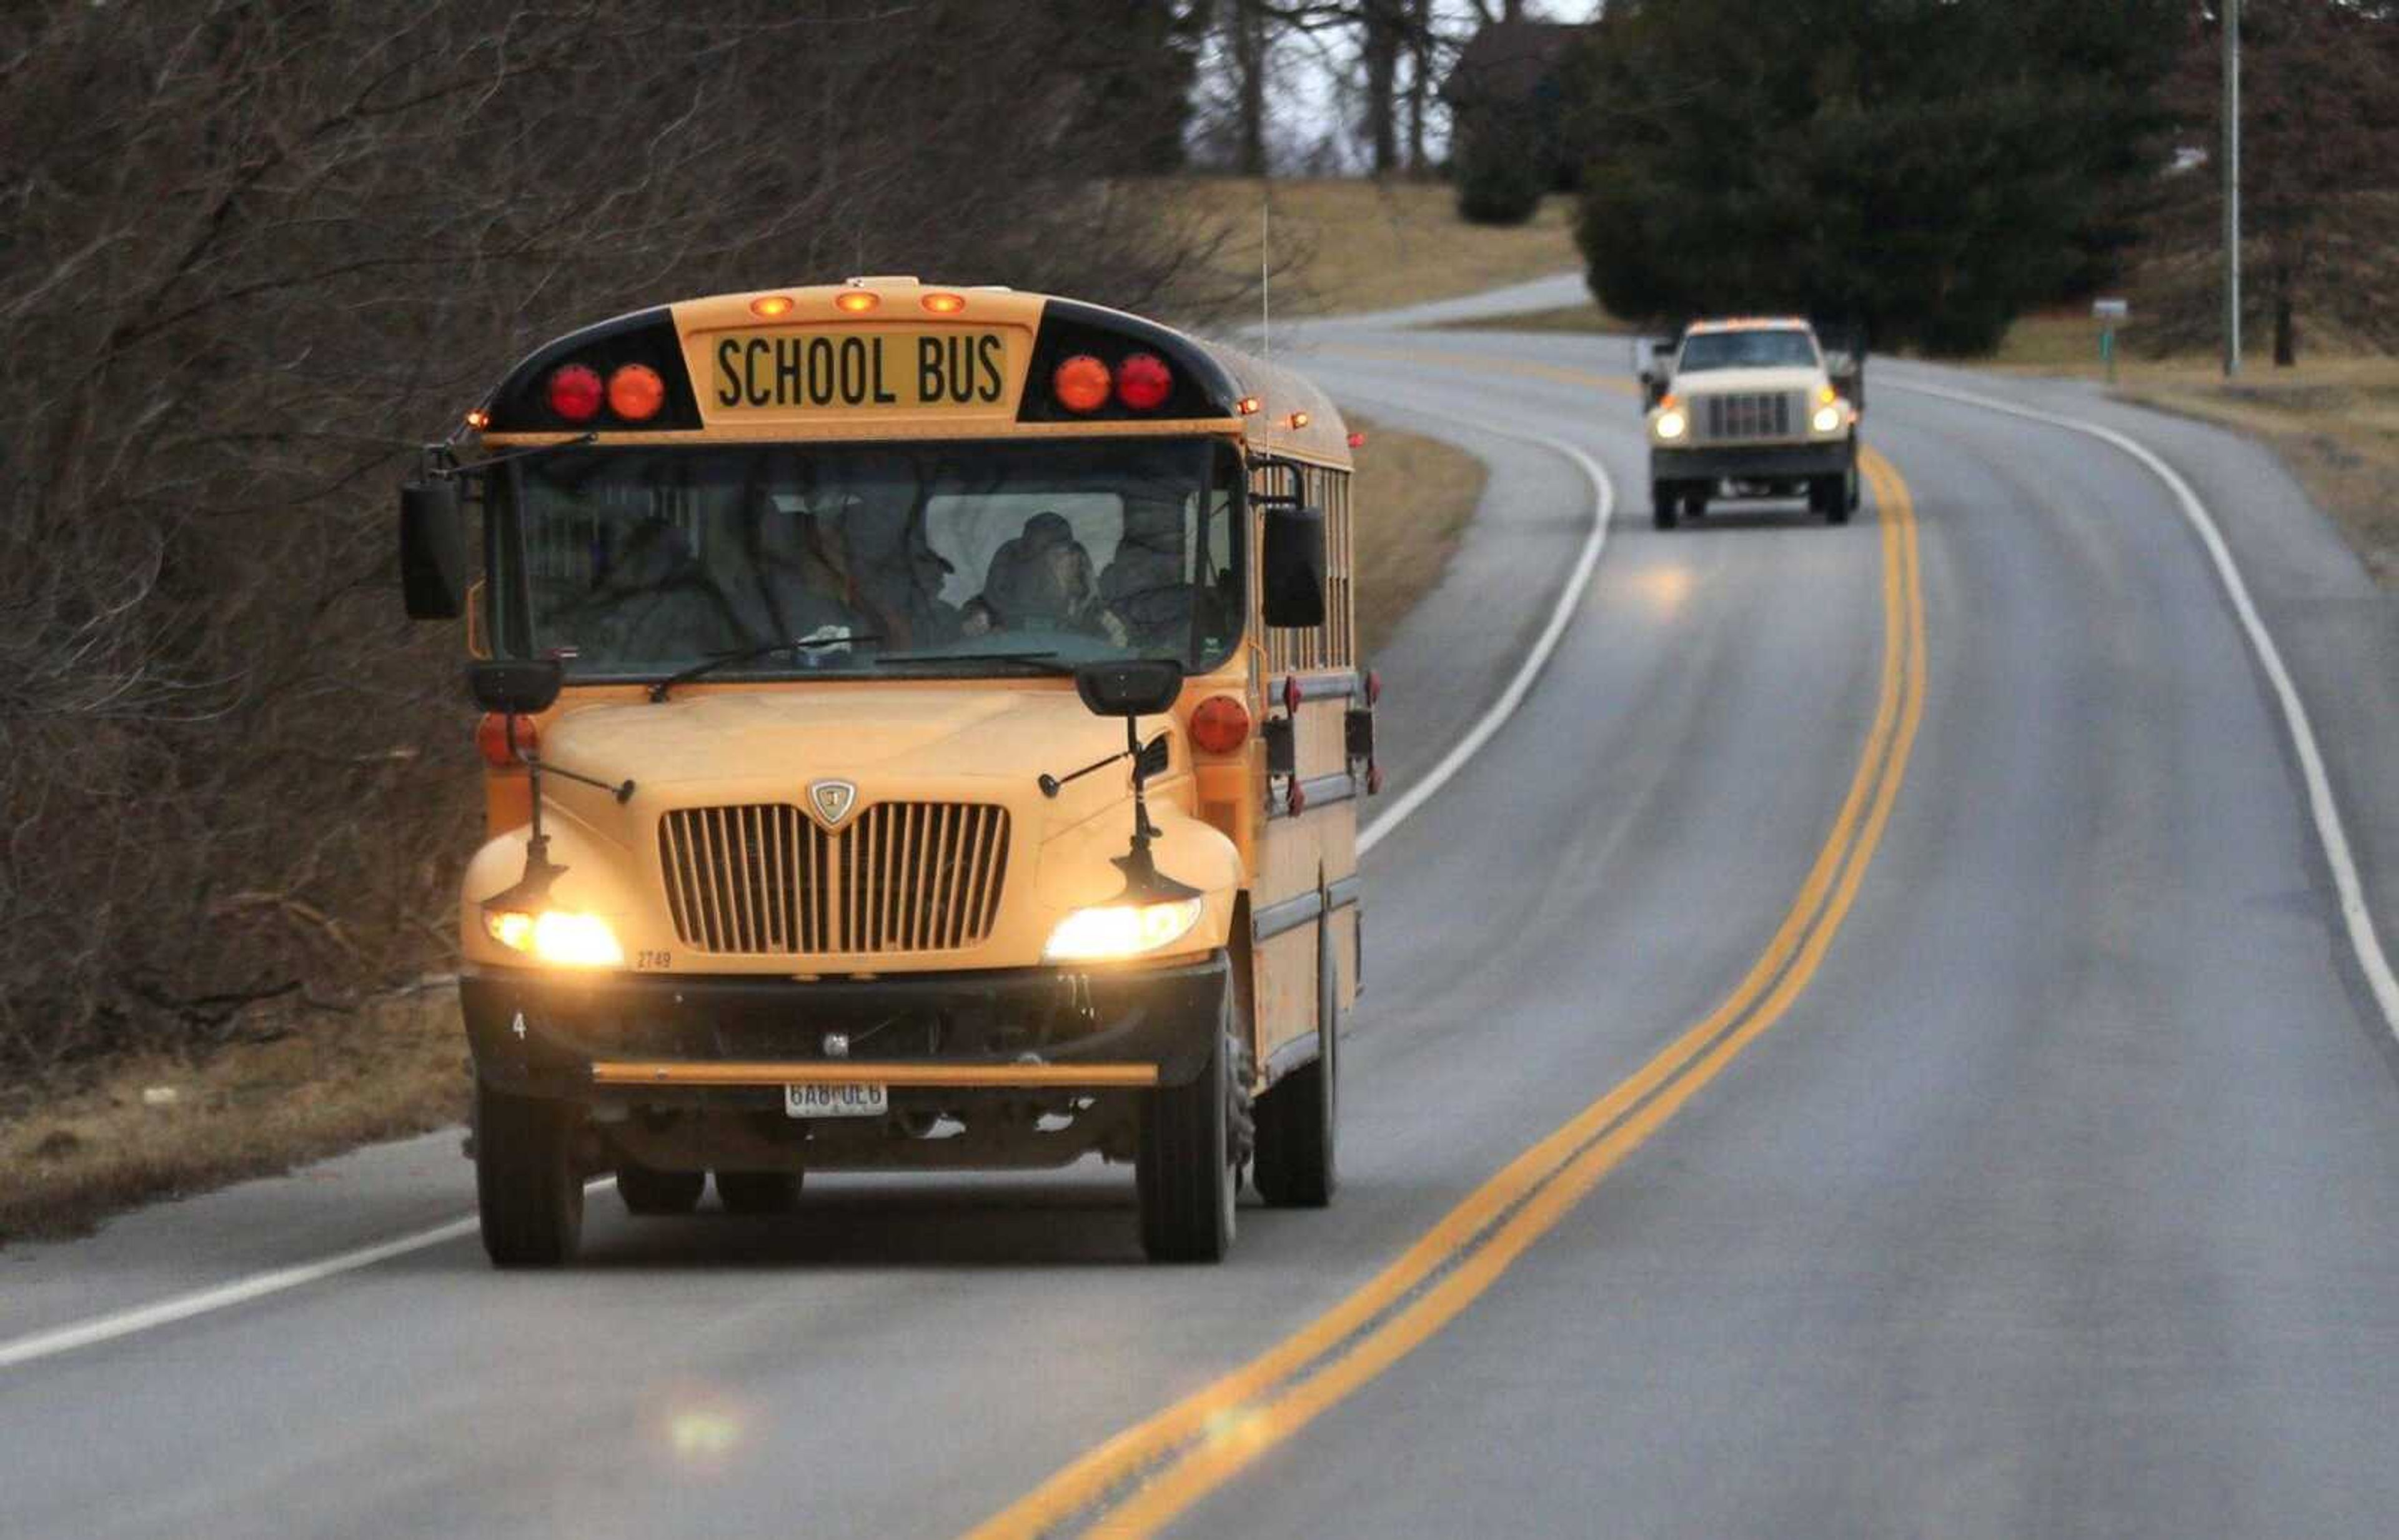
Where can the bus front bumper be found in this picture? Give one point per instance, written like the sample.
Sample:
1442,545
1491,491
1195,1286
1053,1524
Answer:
669,1040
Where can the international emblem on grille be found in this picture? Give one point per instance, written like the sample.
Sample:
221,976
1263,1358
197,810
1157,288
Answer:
831,801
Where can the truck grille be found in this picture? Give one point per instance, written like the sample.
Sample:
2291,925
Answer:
1763,414
905,876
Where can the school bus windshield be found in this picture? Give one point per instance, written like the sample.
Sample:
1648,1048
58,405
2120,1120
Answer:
638,562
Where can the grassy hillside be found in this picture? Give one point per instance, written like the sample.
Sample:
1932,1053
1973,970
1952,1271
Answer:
1345,245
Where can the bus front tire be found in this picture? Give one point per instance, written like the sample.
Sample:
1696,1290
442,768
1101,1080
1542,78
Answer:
1662,498
758,1192
1187,1169
1299,1119
528,1189
648,1192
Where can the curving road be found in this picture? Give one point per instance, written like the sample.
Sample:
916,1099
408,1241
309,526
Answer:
1869,1046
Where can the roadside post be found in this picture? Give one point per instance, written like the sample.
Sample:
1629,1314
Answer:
2108,313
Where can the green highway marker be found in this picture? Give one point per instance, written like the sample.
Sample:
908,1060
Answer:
2107,313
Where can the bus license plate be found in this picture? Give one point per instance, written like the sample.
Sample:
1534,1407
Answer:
806,1100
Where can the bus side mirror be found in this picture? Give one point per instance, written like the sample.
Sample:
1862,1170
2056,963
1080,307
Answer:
1294,565
523,687
1133,687
432,550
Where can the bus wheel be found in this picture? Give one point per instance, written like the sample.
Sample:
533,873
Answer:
1193,1138
527,1187
648,1192
758,1192
1661,504
1299,1119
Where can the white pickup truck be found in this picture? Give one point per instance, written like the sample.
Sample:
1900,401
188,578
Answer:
1750,408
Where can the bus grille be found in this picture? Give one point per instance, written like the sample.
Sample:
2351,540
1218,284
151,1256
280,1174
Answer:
905,876
1751,415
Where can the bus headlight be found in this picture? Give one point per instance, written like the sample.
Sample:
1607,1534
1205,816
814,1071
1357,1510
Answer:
557,936
1120,930
1671,424
1827,418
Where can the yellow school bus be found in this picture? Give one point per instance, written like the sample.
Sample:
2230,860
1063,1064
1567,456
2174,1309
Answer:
924,730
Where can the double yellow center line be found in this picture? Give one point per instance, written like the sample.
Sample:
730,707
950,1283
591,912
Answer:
1140,1480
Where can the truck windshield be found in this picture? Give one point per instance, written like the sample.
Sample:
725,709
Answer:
636,563
1784,349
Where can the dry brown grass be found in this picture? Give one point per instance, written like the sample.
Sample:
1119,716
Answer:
2334,417
1341,247
1414,496
1573,317
2336,425
328,1083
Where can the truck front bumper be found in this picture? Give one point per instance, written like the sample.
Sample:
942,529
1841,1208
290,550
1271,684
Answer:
1752,462
669,1040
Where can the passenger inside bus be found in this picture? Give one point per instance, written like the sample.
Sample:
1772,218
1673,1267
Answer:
1146,587
1041,579
652,600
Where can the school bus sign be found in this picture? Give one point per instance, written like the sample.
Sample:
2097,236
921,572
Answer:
799,371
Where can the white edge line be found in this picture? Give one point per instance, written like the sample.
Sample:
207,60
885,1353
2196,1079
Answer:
2325,813
166,1312
1569,597
124,1323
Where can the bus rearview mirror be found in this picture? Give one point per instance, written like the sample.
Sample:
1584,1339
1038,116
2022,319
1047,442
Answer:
522,687
432,550
1294,566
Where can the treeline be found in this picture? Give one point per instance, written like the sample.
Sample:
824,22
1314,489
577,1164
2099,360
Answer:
1930,170
254,253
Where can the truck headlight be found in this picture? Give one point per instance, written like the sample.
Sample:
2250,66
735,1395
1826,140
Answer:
1120,930
1671,424
557,936
1827,418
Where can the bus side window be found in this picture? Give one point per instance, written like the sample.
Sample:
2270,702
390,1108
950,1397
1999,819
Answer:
1332,644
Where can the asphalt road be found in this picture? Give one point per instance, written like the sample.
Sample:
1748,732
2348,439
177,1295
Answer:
2040,1177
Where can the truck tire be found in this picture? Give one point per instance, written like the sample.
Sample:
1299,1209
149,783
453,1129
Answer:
1840,497
1188,1168
648,1192
528,1189
1299,1118
758,1192
1662,504
1695,505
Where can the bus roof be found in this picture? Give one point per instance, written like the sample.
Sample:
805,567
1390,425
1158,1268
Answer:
895,358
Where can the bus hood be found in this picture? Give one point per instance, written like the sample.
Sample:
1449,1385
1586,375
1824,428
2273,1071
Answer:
878,735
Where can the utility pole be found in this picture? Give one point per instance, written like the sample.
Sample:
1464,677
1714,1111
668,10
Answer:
2231,187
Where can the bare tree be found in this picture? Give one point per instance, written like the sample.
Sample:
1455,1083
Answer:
253,254
2320,175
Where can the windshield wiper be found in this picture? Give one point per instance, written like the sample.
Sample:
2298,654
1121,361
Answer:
744,654
1047,661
